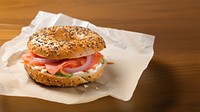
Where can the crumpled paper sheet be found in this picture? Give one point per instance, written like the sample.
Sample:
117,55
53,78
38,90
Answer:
131,53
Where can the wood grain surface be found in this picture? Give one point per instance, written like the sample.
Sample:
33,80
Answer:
171,83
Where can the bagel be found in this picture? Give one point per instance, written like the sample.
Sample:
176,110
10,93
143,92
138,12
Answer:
61,42
40,75
64,56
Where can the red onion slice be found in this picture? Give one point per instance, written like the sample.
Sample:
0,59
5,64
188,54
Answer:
81,68
44,61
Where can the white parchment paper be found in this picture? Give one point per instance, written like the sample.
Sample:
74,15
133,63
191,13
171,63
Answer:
131,53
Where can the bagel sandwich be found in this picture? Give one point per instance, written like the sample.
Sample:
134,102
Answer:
64,56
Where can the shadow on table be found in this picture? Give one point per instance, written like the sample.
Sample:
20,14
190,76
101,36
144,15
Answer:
157,89
156,92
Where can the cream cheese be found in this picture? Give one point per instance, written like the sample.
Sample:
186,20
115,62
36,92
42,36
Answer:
97,66
44,70
81,73
35,68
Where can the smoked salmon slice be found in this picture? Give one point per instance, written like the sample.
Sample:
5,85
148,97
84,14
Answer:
54,66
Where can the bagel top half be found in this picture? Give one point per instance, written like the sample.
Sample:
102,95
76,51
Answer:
61,42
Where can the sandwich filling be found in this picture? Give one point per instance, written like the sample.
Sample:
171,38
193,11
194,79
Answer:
65,67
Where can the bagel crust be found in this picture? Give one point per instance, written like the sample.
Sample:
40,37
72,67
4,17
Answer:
61,42
60,81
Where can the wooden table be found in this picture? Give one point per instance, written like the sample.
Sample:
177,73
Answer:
171,81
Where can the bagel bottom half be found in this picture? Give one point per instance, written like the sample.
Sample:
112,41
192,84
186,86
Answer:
53,80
